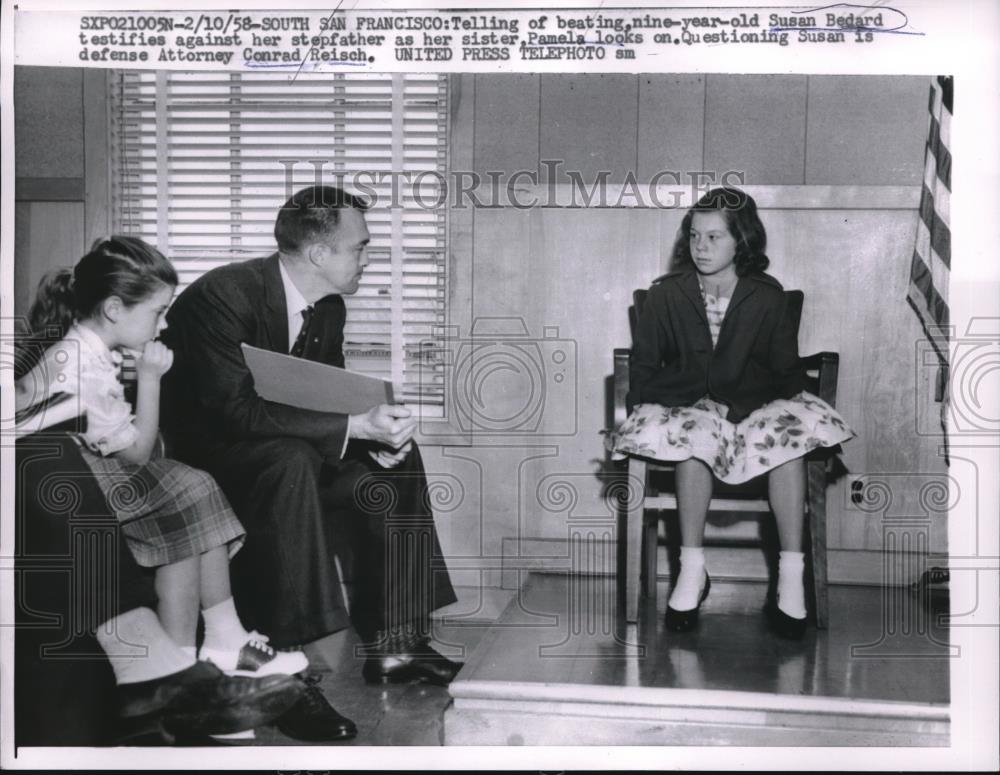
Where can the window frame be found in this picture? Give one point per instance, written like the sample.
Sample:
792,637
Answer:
408,331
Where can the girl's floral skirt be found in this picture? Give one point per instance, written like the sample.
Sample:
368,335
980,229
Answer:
779,431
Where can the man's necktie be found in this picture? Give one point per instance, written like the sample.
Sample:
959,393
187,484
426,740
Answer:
300,341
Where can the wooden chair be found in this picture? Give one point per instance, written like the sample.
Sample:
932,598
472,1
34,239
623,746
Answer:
641,529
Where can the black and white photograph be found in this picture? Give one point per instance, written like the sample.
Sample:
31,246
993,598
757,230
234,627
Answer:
582,386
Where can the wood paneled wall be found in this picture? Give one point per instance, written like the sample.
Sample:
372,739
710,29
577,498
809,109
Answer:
62,183
800,140
776,129
846,245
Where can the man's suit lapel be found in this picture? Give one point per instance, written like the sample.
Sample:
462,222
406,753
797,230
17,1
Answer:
276,314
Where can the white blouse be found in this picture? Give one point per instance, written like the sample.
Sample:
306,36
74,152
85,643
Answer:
81,365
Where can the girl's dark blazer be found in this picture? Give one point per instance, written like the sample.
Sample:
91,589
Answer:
755,361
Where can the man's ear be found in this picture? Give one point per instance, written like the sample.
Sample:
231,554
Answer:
112,308
317,253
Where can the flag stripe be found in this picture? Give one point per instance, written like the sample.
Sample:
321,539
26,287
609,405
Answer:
940,234
931,262
931,300
937,147
947,85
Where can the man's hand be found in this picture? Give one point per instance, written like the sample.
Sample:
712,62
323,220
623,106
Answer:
154,362
387,424
388,458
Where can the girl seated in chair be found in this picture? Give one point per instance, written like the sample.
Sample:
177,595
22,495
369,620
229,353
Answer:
717,388
174,518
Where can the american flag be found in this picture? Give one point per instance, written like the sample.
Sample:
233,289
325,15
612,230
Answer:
929,270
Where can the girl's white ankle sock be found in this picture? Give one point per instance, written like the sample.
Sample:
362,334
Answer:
691,579
791,591
223,629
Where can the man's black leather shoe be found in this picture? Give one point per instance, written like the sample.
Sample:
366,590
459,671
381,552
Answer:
203,700
313,719
412,659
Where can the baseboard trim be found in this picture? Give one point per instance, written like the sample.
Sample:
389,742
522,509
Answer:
520,556
475,605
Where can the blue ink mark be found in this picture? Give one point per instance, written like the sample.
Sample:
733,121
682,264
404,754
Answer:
584,42
845,29
301,65
269,66
898,30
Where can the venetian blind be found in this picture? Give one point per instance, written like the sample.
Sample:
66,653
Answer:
203,161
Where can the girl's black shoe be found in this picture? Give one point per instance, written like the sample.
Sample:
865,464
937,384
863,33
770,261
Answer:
685,621
782,624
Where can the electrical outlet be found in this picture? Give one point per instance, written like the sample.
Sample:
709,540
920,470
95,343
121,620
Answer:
855,492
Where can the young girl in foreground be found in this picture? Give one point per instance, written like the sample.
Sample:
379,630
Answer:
174,518
717,388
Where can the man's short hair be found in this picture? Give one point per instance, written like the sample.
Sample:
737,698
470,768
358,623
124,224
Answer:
312,213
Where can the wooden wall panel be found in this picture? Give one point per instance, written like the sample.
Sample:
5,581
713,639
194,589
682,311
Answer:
506,123
48,235
502,284
573,270
756,124
457,484
671,124
867,130
48,133
576,269
853,267
589,123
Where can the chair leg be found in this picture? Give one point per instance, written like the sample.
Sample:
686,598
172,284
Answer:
633,538
817,537
649,554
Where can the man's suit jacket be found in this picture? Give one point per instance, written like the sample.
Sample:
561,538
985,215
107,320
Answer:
209,398
756,359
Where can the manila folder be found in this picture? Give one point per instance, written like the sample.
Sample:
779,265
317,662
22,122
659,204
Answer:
285,379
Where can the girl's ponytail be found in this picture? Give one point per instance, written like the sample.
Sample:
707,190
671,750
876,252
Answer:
54,308
49,318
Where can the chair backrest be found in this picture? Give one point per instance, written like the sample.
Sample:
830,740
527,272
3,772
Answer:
820,369
795,300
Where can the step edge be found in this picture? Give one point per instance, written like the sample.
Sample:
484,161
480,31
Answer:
694,698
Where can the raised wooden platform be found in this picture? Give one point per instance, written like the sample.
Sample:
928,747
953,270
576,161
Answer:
557,669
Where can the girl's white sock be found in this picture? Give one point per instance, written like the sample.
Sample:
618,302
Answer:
223,629
791,591
139,649
691,579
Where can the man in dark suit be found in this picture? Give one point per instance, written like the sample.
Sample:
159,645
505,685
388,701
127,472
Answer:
307,485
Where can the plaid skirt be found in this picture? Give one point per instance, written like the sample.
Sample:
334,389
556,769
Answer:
168,511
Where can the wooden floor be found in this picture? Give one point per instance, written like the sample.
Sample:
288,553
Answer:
557,669
391,715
